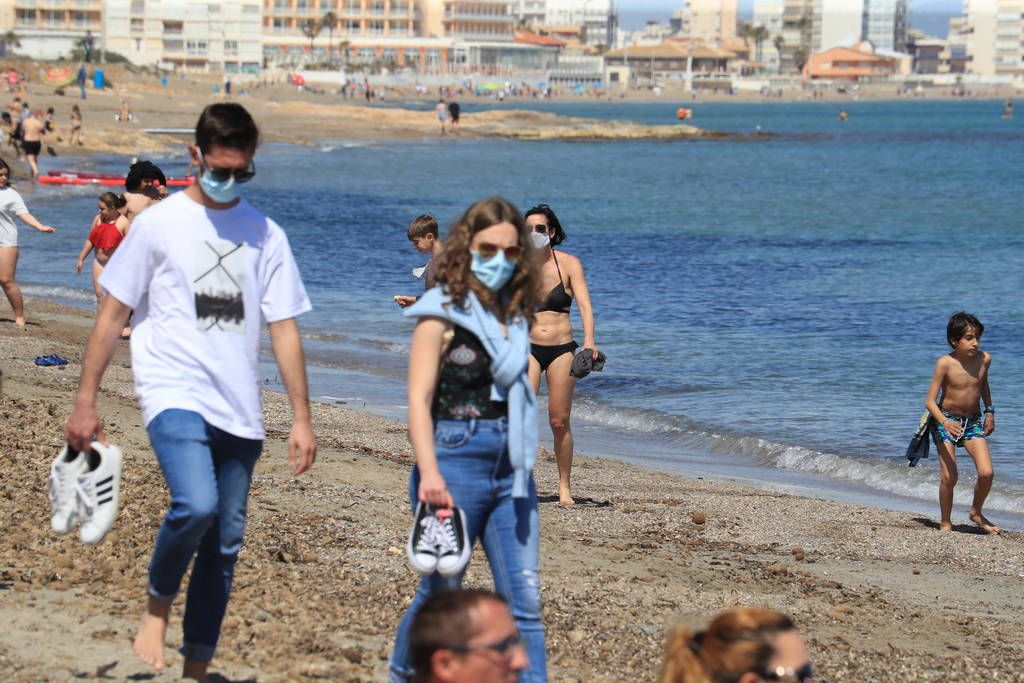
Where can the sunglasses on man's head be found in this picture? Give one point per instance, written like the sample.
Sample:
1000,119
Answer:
489,251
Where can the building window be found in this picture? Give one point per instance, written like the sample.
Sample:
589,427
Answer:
433,56
27,17
250,9
196,47
390,54
231,48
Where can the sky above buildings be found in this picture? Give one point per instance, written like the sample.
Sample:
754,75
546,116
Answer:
931,15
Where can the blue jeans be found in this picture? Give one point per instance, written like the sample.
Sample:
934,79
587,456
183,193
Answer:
208,473
473,458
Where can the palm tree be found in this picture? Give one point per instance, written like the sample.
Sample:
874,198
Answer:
759,34
344,51
799,59
779,42
311,29
11,39
329,21
744,31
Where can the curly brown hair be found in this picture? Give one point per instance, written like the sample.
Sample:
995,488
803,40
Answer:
455,275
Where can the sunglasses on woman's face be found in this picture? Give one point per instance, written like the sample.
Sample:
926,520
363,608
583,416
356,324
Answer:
489,251
540,227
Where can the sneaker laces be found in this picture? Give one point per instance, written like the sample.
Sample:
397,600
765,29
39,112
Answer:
448,540
428,540
58,482
85,495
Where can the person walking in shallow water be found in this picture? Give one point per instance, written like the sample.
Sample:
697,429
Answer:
13,206
203,269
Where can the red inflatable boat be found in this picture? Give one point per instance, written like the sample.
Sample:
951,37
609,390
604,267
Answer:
104,179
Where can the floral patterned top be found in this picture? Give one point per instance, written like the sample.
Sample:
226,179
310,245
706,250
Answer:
464,383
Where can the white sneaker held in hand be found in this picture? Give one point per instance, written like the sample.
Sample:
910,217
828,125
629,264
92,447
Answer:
64,473
98,489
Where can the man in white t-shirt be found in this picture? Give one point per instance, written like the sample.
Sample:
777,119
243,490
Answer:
201,269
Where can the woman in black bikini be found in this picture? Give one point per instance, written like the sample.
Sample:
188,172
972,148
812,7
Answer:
552,345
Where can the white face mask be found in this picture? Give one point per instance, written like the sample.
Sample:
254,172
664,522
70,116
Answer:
540,240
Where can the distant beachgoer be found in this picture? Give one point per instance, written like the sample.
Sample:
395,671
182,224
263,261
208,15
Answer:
442,114
9,131
743,645
843,115
13,206
455,112
426,238
33,130
473,414
227,87
124,115
466,636
961,377
1008,109
142,188
50,125
76,126
80,79
208,268
107,231
551,340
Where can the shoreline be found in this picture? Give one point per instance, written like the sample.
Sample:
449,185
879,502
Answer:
322,578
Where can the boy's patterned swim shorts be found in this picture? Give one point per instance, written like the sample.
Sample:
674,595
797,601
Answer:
973,429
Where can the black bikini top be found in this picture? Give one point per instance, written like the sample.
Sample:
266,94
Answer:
557,300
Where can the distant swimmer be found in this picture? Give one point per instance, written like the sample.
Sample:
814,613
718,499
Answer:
843,115
684,114
1008,109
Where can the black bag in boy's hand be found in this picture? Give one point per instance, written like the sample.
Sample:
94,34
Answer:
918,447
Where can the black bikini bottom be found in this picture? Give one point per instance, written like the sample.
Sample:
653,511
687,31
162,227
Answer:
545,355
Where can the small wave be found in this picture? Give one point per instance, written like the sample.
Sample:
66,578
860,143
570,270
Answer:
892,476
57,293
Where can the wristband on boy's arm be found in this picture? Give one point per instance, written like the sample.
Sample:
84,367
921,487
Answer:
990,410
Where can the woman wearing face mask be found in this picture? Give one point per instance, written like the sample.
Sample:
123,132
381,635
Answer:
552,347
473,414
744,645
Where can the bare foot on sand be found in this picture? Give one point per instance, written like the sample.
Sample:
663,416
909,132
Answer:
20,322
564,498
946,526
149,642
195,670
126,333
983,523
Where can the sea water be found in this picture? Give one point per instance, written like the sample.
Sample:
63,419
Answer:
771,309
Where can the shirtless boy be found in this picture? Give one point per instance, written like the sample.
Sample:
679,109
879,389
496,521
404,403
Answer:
426,238
962,378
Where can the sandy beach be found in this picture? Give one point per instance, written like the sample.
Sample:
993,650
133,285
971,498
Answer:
322,579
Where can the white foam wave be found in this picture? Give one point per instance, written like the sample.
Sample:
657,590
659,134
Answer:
892,476
60,293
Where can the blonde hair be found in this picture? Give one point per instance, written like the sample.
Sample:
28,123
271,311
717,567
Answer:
519,295
734,643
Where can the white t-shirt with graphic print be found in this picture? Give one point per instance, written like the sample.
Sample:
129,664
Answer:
200,280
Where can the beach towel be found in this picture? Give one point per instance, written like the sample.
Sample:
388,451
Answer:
583,363
918,447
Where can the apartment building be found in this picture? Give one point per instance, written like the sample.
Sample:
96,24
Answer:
709,21
837,23
798,17
530,13
190,35
886,23
598,20
50,29
994,35
472,20
384,31
768,13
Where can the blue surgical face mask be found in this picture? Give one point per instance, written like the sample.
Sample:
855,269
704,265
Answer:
494,272
222,191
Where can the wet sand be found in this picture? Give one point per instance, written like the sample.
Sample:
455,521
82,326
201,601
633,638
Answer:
322,579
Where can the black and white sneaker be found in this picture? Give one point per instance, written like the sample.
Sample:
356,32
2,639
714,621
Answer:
98,487
422,546
64,473
453,548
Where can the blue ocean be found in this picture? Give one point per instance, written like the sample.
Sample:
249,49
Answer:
771,309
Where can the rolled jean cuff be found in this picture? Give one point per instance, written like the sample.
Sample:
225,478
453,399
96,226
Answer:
197,652
160,597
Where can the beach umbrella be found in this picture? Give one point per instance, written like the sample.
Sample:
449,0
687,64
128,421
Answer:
489,86
57,76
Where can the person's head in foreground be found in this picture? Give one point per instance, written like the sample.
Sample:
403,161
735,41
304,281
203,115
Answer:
466,636
963,332
743,645
423,232
489,252
226,141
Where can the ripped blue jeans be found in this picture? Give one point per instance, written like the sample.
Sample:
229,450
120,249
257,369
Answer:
473,457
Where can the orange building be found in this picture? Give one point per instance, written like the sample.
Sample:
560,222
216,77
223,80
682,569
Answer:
850,63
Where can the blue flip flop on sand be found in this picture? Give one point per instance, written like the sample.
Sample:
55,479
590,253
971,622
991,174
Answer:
52,359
